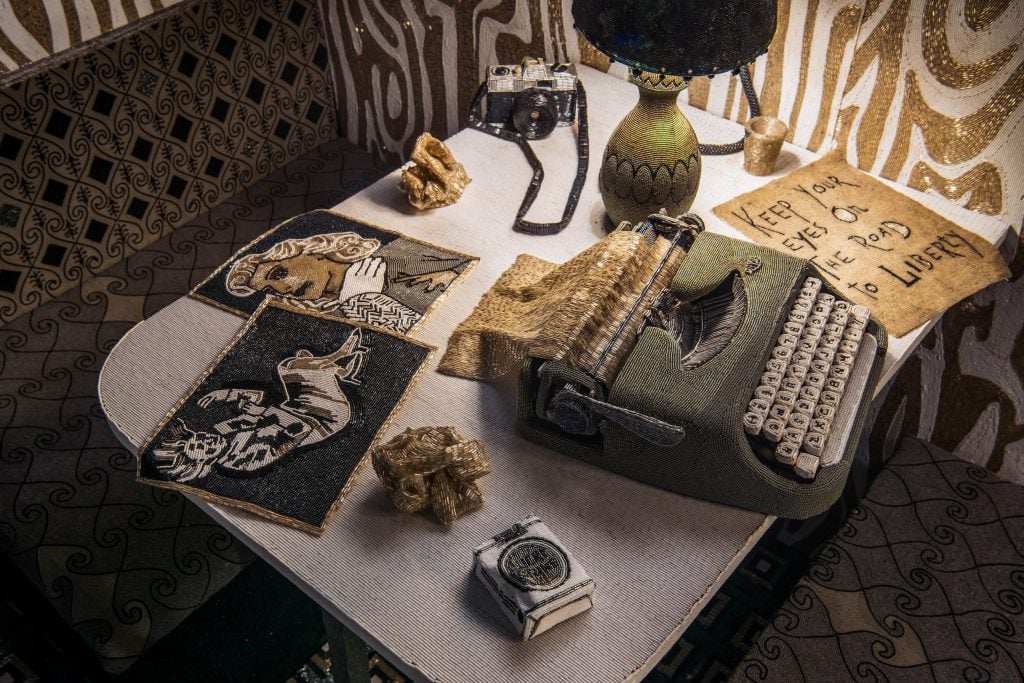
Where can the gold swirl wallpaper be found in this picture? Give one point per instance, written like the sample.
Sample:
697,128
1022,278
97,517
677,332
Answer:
405,67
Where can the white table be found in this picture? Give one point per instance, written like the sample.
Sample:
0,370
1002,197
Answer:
403,583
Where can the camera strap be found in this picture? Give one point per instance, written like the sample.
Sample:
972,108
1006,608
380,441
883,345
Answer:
582,151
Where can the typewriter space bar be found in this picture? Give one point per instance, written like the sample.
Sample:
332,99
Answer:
568,404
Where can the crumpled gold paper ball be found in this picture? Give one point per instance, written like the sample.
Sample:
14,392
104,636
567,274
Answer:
435,178
432,467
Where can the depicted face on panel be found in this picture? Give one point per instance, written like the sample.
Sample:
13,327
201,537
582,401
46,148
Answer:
305,277
305,269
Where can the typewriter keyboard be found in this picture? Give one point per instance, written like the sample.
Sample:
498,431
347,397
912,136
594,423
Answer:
801,390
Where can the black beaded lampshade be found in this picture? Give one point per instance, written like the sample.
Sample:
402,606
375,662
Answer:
679,37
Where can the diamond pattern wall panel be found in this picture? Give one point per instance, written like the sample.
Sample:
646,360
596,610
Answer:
103,154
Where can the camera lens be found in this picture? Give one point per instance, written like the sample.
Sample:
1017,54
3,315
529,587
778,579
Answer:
535,114
560,68
501,71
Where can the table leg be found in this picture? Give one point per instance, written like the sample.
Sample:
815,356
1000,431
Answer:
349,654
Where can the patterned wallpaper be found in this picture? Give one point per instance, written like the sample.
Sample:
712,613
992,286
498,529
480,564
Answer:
934,100
406,67
103,154
34,30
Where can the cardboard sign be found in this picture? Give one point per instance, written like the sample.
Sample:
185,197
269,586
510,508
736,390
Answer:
877,246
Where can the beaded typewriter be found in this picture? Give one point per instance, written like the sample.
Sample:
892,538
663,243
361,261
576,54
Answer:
744,381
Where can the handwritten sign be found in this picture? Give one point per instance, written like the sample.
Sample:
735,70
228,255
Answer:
876,246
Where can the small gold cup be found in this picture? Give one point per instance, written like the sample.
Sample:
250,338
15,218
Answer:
761,147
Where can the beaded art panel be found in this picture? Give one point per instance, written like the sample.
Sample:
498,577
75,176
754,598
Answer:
106,153
334,265
281,421
405,68
34,30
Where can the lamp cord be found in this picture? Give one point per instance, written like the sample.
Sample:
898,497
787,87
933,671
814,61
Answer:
755,110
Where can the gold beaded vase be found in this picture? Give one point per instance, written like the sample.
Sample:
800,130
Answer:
652,160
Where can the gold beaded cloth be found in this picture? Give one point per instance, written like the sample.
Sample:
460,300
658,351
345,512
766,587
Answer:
567,312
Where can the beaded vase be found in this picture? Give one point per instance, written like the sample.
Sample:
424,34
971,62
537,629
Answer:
652,160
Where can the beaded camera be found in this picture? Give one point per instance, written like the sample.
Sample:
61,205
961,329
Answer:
531,98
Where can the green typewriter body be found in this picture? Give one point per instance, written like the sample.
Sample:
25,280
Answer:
686,411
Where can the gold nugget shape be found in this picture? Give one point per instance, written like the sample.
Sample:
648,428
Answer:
432,467
435,178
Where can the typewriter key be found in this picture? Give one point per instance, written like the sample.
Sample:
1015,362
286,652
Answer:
784,398
780,412
795,329
829,342
786,452
796,316
802,306
836,385
838,317
830,398
853,334
814,442
798,421
765,393
824,412
809,393
773,429
849,346
821,309
807,345
860,314
806,465
790,384
794,434
776,365
834,330
813,282
804,406
788,340
782,353
843,306
812,333
820,426
759,406
826,354
802,358
839,371
821,367
798,371
826,299
816,320
752,423
815,379
844,358
772,379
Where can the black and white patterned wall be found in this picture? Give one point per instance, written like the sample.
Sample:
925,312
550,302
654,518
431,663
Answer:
101,155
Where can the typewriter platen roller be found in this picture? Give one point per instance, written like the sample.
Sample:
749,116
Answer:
743,381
